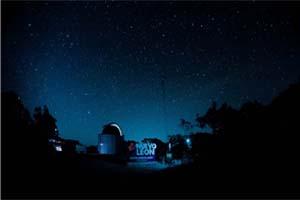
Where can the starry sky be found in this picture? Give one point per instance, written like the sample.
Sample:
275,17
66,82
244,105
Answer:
145,64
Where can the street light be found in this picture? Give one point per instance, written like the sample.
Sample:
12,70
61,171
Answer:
188,140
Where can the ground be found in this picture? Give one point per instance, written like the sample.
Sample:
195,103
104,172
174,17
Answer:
86,177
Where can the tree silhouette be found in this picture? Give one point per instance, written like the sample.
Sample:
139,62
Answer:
45,122
179,146
217,119
264,134
45,128
16,125
186,125
25,149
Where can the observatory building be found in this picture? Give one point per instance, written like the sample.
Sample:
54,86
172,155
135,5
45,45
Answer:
111,140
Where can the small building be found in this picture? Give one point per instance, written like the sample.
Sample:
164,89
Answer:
56,144
69,146
81,149
111,140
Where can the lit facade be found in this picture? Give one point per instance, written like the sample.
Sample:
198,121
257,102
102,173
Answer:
111,140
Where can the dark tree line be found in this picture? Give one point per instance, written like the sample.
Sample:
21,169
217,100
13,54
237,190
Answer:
251,150
45,122
256,138
179,146
26,153
264,133
24,135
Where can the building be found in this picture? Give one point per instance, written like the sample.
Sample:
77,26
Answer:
81,149
56,144
111,140
69,146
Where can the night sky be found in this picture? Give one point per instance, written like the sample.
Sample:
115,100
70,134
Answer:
93,63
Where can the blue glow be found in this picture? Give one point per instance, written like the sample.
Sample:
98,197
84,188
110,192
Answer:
108,65
188,140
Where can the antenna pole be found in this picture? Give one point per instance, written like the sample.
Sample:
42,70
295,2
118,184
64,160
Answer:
163,87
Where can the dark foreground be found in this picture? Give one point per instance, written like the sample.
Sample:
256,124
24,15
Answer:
253,153
87,177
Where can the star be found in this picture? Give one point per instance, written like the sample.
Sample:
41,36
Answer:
121,62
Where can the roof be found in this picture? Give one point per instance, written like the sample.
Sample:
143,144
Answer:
113,129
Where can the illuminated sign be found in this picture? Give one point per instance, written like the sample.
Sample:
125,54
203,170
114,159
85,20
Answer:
142,151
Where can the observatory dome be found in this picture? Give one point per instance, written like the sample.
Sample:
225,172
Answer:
112,129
